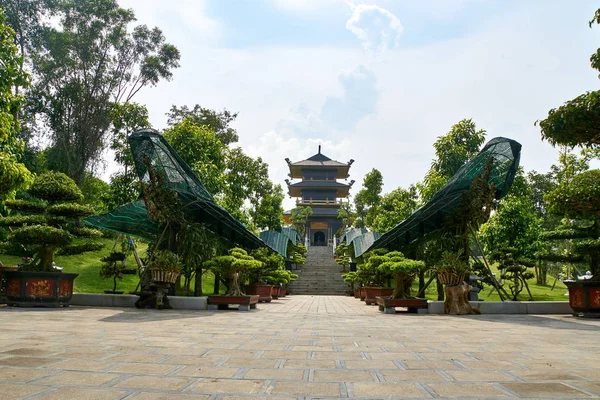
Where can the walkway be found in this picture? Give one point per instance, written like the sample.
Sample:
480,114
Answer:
299,347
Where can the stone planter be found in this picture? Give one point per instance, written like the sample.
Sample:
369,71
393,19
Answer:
39,289
371,294
222,302
584,297
388,305
450,278
164,276
264,292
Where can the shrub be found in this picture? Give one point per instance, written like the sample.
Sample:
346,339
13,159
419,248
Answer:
69,210
55,186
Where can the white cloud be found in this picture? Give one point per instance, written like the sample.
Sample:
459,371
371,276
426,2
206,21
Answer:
376,27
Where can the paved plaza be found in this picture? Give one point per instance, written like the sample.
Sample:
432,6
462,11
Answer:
299,347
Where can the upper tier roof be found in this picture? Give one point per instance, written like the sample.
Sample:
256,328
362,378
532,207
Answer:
319,161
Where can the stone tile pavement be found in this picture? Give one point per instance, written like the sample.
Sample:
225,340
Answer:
299,347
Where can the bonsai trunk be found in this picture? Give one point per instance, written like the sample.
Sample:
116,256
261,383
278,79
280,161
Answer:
115,283
234,284
46,254
457,300
399,292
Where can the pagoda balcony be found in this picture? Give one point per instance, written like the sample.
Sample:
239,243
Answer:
310,202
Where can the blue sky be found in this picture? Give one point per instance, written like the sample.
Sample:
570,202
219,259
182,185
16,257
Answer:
376,81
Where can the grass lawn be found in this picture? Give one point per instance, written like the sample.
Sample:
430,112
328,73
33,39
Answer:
539,292
87,265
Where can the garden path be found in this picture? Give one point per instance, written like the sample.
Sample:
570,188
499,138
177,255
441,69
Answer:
298,347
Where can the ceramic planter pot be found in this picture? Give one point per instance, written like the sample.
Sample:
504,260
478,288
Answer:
356,293
371,294
361,294
263,292
275,292
584,297
39,289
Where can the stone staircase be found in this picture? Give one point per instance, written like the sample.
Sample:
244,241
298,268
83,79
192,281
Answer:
319,275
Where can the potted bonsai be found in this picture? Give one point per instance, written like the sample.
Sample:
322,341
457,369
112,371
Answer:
258,284
236,263
164,267
579,201
280,278
113,267
351,278
46,225
403,270
374,277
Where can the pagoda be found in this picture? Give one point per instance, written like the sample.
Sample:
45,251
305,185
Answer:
320,190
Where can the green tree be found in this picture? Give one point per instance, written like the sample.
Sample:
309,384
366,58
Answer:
126,118
218,121
268,212
368,198
395,207
579,200
577,122
13,174
299,218
452,151
90,61
203,151
233,265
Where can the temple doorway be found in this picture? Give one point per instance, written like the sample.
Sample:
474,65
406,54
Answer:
319,239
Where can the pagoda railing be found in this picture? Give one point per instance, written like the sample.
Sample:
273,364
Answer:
318,202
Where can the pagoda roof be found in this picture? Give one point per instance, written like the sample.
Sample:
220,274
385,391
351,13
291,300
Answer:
319,160
341,189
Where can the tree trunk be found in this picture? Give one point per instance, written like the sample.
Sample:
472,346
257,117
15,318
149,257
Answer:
440,290
46,256
216,284
457,300
114,283
198,282
421,280
234,284
399,289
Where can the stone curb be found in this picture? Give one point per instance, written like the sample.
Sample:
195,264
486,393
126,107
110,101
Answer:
510,307
127,300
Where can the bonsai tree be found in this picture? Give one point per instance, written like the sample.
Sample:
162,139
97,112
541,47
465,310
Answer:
232,265
579,201
113,267
369,272
342,252
49,221
165,266
401,268
514,269
270,262
296,253
280,277
351,278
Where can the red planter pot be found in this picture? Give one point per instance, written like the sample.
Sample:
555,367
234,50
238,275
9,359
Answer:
263,292
584,297
356,293
275,292
361,294
371,294
222,302
388,305
282,291
39,289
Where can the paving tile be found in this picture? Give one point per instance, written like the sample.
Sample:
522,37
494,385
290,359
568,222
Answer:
211,386
480,376
396,390
190,360
391,356
277,374
465,390
153,382
167,396
78,378
306,389
207,371
15,361
22,374
302,355
13,391
250,362
431,364
64,393
342,375
478,364
547,375
411,376
547,389
28,352
143,368
371,364
293,363
81,365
